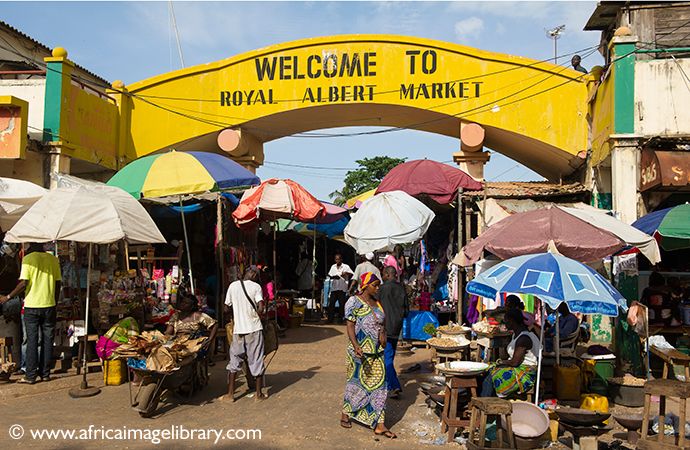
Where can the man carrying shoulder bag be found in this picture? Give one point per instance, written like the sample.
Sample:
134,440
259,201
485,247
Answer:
245,300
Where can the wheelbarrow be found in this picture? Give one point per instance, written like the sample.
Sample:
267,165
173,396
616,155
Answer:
156,384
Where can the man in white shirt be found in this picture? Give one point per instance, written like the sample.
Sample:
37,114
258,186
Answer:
340,274
245,300
365,266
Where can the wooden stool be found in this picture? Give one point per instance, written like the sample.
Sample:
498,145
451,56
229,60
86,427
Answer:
5,350
662,389
449,418
672,357
482,408
89,354
221,336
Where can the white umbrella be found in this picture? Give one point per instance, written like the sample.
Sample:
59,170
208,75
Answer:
16,197
91,214
387,219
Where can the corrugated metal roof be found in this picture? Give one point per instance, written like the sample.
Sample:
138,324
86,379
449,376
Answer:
48,49
526,189
603,16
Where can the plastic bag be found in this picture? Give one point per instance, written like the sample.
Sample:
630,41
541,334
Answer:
671,426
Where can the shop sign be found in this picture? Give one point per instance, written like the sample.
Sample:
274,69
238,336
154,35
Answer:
665,168
13,127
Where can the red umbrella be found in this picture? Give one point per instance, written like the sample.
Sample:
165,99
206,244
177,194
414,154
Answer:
275,199
423,176
532,232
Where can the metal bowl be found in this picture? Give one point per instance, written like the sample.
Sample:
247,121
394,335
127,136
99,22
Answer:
300,301
428,381
631,422
581,417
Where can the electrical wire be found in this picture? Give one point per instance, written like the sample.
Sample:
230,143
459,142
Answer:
310,167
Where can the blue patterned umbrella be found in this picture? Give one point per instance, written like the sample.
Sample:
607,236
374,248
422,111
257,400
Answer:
554,279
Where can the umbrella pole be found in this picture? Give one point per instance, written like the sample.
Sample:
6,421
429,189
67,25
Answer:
313,270
186,244
460,292
84,390
557,341
541,341
275,275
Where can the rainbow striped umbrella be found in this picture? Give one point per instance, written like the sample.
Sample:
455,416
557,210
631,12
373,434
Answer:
181,173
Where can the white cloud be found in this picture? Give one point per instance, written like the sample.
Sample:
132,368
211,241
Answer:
467,29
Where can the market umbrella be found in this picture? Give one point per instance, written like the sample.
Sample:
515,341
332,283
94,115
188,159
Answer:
670,226
88,214
387,219
356,202
554,279
16,197
181,173
582,235
439,181
275,199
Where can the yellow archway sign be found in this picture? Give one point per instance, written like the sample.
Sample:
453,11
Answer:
533,112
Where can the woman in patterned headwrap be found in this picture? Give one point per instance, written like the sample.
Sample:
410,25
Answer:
366,392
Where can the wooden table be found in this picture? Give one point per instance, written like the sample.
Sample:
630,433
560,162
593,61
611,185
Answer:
492,343
441,356
672,357
661,329
449,419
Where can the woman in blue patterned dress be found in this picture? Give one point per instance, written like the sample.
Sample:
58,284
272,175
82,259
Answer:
366,392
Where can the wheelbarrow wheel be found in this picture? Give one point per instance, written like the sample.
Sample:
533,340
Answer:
148,398
251,381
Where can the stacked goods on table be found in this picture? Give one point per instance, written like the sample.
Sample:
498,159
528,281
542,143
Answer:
162,353
490,327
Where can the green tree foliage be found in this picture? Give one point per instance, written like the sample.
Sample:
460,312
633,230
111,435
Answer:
367,177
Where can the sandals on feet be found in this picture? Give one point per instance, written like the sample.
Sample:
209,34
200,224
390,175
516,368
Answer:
25,381
261,397
345,423
388,433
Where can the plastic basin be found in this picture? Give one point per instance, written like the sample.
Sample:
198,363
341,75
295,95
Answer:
529,421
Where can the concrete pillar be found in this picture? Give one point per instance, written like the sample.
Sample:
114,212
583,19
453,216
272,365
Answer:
59,163
625,157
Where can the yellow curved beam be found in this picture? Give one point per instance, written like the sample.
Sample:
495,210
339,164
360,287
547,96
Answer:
533,111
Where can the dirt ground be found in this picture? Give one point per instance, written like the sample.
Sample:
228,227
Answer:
305,383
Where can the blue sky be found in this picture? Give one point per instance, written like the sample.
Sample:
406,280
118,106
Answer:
131,41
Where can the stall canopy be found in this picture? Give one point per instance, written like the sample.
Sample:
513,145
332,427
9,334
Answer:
585,236
275,199
387,219
423,176
16,197
91,214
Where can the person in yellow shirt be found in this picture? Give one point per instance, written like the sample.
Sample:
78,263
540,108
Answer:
40,276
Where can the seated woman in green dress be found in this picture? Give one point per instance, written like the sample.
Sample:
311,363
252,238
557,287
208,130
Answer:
518,374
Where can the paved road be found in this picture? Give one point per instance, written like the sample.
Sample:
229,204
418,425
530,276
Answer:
305,382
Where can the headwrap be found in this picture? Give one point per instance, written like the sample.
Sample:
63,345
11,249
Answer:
369,256
367,279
